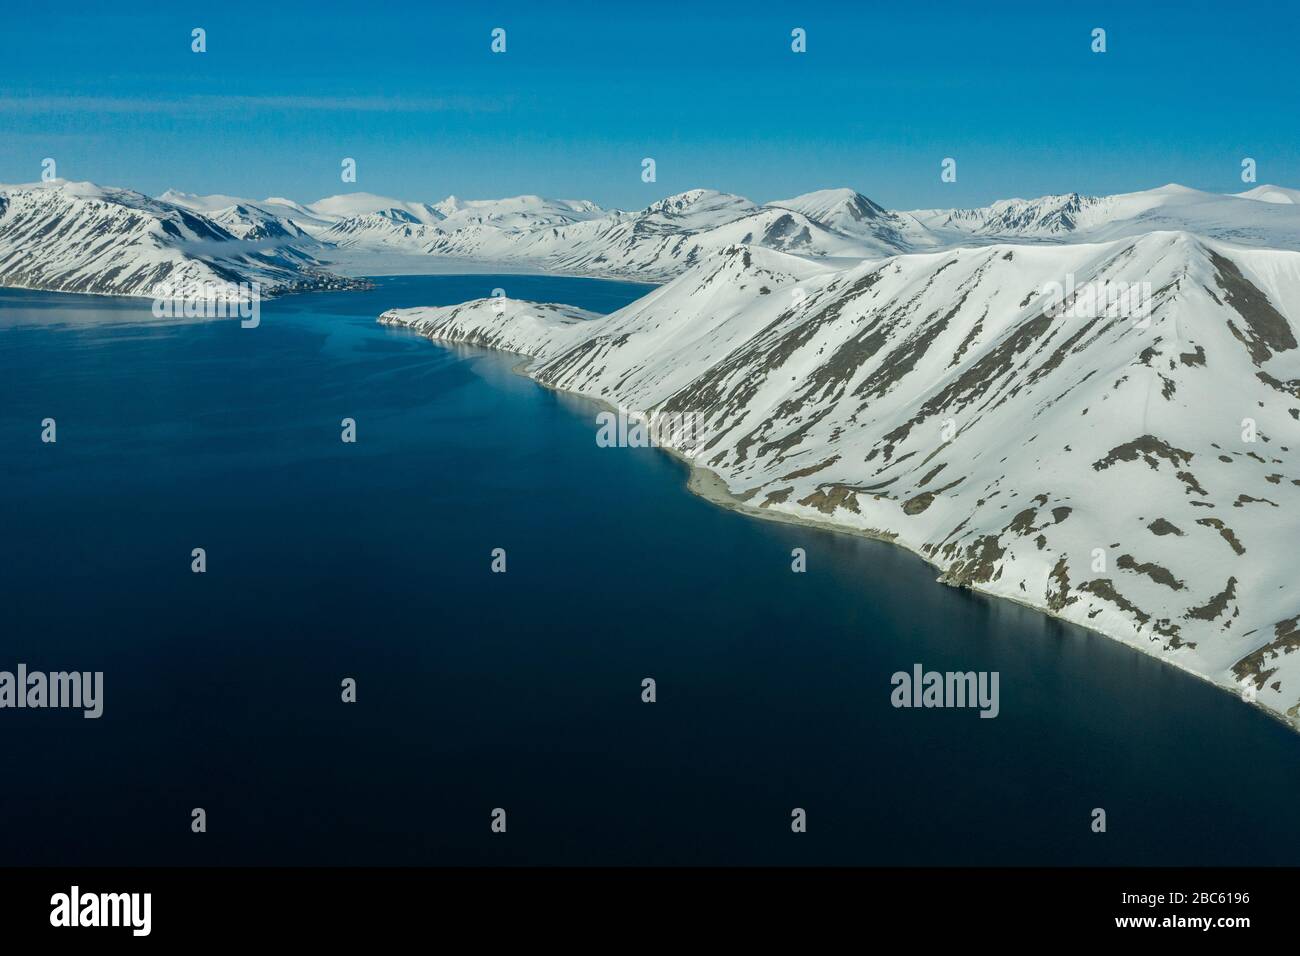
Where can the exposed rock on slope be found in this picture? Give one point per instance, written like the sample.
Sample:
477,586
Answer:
1132,474
78,237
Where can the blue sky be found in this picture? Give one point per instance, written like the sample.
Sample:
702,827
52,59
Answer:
711,90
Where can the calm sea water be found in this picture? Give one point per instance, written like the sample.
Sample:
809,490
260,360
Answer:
521,691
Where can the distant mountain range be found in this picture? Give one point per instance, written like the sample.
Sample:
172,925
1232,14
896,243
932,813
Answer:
79,237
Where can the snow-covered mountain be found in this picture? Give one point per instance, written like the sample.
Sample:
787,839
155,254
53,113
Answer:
1046,217
357,233
653,244
1264,216
335,208
312,217
1135,472
852,214
1276,194
518,212
673,234
79,237
579,237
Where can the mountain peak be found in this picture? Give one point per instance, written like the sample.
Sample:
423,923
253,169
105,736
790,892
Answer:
689,196
849,213
347,205
829,206
1279,195
694,209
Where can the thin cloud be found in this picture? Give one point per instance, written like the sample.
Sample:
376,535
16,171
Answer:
288,103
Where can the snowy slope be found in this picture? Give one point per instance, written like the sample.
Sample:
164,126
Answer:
1073,218
335,208
514,229
648,247
850,213
653,244
79,237
673,234
360,232
1047,217
575,237
516,212
1275,194
312,219
1094,465
241,215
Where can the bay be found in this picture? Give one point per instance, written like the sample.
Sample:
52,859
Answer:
521,690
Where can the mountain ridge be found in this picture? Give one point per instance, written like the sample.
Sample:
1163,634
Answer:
80,237
943,402
289,246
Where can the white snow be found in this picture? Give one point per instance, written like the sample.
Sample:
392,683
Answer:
1275,194
79,237
930,398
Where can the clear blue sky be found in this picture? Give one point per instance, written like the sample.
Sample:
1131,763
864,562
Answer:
710,90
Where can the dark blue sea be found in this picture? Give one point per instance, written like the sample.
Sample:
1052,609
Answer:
521,690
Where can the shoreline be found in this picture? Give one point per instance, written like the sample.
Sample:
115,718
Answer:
142,297
507,270
453,266
709,485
